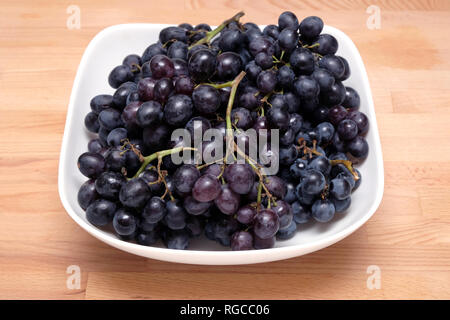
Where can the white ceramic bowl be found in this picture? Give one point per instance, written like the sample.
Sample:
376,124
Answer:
107,50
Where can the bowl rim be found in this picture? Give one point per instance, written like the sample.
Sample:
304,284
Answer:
253,256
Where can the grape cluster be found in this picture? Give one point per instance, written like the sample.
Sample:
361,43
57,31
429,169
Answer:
286,77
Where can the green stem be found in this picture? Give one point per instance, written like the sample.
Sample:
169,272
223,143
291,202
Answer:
348,164
158,154
218,85
211,34
258,198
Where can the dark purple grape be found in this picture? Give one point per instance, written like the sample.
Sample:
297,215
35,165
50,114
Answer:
347,72
108,185
313,182
87,194
122,93
285,77
227,201
115,160
185,177
278,118
341,205
101,102
231,40
148,238
241,240
301,213
129,114
352,99
361,121
242,118
95,146
202,65
161,67
284,212
246,214
287,232
306,88
186,26
146,88
116,137
325,130
288,39
252,70
263,60
195,226
287,20
178,110
91,164
272,31
178,50
180,67
358,147
259,243
323,210
327,44
149,113
262,44
335,96
311,27
266,224
240,177
100,212
124,222
163,89
206,188
119,75
195,207
172,33
184,85
155,210
91,122
176,216
347,129
266,81
333,64
336,114
153,50
302,61
132,60
134,193
276,186
110,119
156,136
206,99
324,78
340,188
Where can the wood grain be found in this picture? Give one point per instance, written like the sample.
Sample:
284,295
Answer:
408,238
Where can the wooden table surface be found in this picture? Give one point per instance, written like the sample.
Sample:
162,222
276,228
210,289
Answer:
408,239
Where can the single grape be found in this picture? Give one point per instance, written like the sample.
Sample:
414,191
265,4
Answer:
302,61
246,214
177,239
323,210
352,99
178,110
361,121
227,201
100,212
161,67
241,240
134,193
108,185
149,113
341,205
184,85
358,147
110,119
259,243
101,102
206,99
325,44
185,178
195,207
266,224
240,177
87,194
119,75
206,188
288,39
155,210
124,222
178,50
145,89
313,182
288,20
153,50
91,164
202,65
266,81
91,122
311,27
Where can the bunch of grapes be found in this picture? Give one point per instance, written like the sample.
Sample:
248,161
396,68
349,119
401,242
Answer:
235,77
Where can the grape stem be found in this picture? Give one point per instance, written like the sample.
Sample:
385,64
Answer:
160,154
348,164
211,34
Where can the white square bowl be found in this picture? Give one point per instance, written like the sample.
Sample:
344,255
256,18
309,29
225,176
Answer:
107,50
